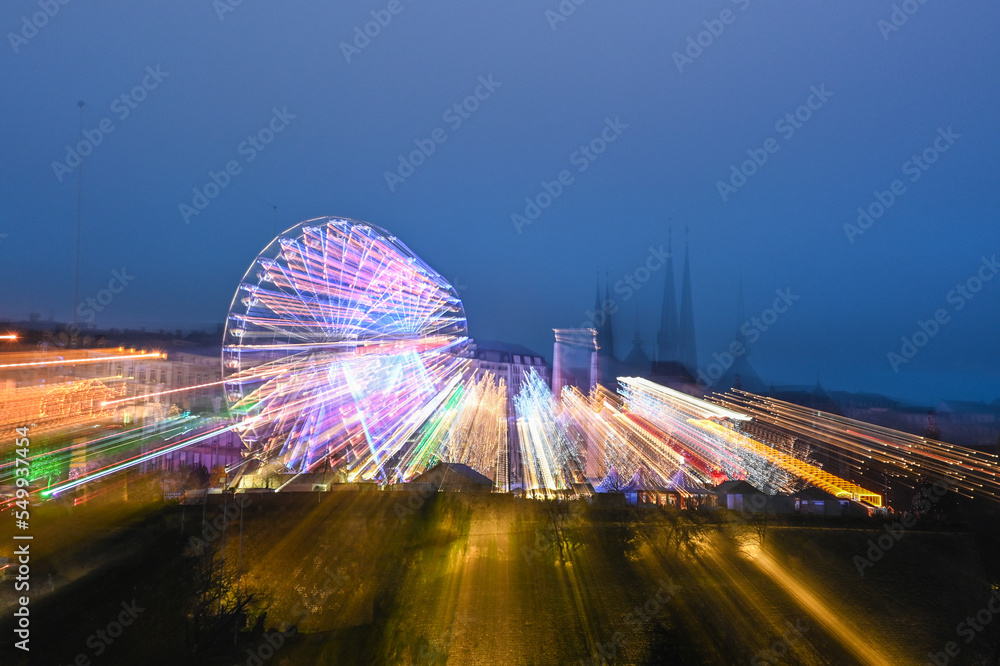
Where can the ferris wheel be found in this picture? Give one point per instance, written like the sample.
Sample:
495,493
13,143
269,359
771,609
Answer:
339,343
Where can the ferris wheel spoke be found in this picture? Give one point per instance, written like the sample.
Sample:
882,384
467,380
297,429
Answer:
341,345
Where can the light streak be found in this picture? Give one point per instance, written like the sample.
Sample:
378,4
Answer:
147,396
716,437
80,361
816,476
864,448
550,453
860,646
132,462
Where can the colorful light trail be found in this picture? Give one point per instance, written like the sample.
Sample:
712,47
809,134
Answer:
866,448
135,460
550,451
83,360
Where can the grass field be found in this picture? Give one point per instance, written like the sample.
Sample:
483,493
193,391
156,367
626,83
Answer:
395,578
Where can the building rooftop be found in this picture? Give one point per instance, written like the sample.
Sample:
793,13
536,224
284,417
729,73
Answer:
815,494
507,347
455,468
738,487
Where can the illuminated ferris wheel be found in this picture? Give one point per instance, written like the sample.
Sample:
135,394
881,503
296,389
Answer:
339,343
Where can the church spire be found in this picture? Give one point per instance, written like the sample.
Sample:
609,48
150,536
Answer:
602,322
598,318
637,338
637,361
608,342
686,350
741,317
666,337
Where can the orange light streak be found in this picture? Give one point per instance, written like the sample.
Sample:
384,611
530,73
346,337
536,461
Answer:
147,396
79,361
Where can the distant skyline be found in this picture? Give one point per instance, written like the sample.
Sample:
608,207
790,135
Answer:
808,147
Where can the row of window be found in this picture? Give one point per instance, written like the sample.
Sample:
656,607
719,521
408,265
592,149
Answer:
194,378
498,357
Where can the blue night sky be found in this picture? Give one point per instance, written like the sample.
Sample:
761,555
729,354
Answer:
681,125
